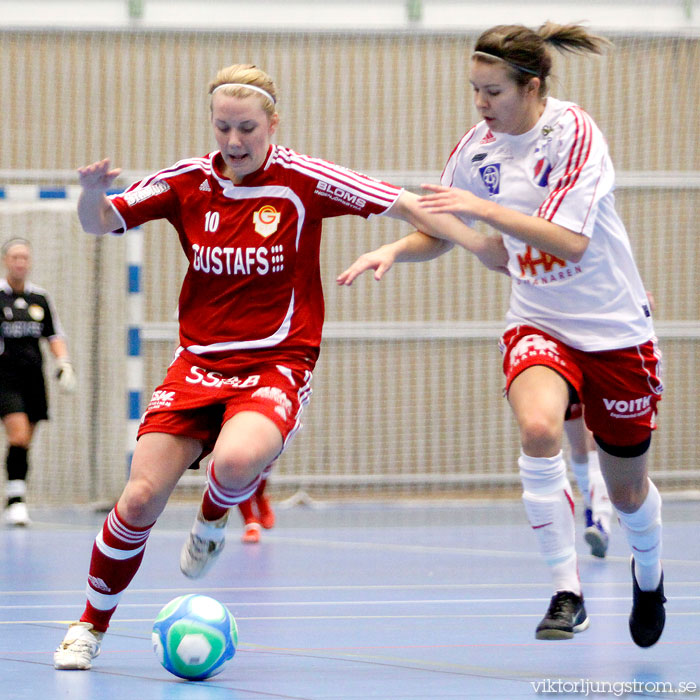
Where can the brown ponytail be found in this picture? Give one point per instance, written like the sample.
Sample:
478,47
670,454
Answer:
526,51
572,37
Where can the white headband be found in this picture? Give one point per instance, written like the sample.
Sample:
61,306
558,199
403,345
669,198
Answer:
264,93
486,54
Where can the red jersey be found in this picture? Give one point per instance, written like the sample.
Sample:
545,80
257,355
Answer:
253,282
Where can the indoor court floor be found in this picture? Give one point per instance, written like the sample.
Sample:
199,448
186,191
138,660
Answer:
353,602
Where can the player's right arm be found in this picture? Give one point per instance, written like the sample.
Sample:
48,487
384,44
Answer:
416,247
419,247
95,211
428,242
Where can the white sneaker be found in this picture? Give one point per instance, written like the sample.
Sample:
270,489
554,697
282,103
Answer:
203,546
78,648
598,539
17,515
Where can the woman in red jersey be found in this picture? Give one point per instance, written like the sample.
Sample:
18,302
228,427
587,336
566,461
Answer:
250,313
579,328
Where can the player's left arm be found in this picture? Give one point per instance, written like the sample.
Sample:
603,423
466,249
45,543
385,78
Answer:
489,249
59,348
53,332
65,374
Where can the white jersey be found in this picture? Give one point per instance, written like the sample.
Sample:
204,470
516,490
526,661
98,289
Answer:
561,171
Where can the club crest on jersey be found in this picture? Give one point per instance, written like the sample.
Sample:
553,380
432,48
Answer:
36,312
542,169
266,220
491,176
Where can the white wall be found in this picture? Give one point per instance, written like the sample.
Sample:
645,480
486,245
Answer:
609,15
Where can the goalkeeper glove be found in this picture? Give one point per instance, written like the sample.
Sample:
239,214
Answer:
65,375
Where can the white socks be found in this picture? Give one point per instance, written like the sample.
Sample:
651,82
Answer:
643,531
550,510
580,470
591,484
600,501
16,488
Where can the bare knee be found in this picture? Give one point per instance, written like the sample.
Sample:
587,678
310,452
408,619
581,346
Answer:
19,433
141,503
625,471
540,435
628,498
236,466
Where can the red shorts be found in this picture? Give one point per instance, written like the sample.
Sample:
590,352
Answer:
196,402
618,389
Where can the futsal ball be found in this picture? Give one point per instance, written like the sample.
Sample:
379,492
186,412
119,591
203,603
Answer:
194,636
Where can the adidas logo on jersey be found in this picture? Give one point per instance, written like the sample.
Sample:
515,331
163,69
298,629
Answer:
204,187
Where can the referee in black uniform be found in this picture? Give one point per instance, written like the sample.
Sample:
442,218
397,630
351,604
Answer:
26,316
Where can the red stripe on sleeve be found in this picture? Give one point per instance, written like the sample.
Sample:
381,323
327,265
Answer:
578,155
181,166
463,142
369,188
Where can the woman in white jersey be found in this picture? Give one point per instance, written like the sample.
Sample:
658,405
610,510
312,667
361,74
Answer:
249,218
579,326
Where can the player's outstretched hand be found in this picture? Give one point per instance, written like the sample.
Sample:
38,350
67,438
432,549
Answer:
98,176
379,260
449,200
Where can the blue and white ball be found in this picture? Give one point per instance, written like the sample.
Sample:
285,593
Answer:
194,636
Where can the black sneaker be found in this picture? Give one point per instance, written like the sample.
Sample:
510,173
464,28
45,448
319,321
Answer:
565,616
648,616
